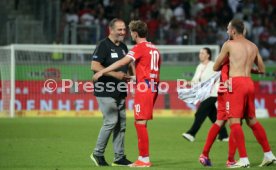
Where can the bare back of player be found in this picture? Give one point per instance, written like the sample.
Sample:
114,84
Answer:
242,54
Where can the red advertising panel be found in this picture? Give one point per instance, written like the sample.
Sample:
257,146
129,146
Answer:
67,95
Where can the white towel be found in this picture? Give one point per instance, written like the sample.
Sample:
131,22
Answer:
199,91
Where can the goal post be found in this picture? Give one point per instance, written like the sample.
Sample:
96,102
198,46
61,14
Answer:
7,74
26,67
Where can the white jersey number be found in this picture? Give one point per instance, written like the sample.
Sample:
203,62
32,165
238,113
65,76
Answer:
154,60
137,108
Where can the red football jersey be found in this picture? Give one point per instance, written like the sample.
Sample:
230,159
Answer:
147,61
225,71
224,76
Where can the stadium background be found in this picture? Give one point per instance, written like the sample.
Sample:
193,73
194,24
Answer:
66,143
176,22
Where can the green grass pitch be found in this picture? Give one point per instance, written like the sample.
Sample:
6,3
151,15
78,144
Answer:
66,143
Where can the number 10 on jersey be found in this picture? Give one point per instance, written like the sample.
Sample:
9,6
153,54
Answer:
154,60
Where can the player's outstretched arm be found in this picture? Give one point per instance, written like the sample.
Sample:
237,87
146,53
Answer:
222,56
124,61
97,66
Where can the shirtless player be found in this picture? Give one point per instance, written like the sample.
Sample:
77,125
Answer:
242,54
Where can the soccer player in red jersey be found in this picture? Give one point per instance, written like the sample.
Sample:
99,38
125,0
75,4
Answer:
147,65
257,129
221,120
242,54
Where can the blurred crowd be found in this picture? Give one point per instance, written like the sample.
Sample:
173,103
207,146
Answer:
182,21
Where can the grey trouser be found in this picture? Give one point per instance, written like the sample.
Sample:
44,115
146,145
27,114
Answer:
114,120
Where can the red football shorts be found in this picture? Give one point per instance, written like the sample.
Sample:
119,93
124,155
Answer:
240,100
221,112
143,104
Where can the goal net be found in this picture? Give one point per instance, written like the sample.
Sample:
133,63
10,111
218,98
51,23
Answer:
33,78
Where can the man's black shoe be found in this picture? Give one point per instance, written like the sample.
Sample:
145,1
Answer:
122,162
98,160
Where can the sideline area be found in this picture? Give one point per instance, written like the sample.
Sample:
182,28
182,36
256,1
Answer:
96,113
260,113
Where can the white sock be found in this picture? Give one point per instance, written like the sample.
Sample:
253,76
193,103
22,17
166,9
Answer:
269,155
245,160
144,159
